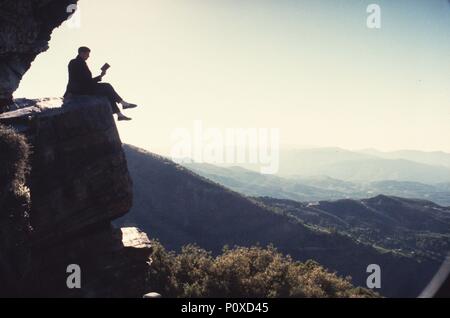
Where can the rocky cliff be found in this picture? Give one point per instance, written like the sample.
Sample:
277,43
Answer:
61,213
25,29
79,183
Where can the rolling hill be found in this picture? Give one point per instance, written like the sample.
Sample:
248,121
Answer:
178,207
414,227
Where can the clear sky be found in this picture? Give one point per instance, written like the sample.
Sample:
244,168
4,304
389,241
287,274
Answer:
311,68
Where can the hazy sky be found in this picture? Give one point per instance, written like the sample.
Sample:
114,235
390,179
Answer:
311,68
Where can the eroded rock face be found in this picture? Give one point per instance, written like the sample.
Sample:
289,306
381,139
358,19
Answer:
79,173
79,179
79,183
25,29
110,267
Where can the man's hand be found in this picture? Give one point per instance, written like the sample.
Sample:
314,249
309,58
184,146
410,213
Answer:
103,73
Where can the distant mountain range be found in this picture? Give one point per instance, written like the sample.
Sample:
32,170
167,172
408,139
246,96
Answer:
365,165
436,158
179,207
315,188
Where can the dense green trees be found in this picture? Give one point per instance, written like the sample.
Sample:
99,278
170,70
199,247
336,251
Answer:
243,272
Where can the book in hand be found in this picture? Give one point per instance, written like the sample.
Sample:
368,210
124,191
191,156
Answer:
105,67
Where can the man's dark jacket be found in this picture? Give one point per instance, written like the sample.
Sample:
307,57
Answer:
80,78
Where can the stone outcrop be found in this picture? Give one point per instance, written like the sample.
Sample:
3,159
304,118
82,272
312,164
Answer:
79,183
25,29
79,179
79,172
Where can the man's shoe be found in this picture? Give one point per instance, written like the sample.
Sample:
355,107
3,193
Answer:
123,117
128,105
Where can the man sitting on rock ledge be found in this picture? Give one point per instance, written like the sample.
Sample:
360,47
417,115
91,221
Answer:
81,82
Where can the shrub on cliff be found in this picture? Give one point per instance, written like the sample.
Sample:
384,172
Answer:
243,272
14,152
14,208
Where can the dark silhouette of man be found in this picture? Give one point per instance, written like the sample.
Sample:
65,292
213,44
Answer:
81,82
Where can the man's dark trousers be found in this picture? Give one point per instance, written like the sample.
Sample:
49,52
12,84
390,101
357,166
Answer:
106,90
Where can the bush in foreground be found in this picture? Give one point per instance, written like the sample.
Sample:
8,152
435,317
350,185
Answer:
243,272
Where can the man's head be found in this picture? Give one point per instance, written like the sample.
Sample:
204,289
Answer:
84,52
